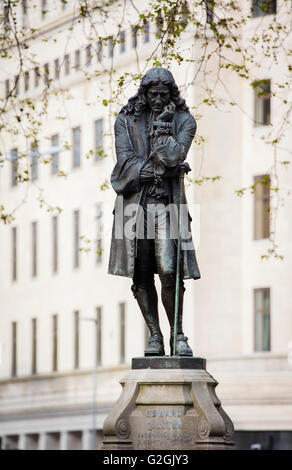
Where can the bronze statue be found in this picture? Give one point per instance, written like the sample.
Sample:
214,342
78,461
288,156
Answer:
153,133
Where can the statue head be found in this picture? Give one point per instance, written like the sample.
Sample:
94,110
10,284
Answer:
157,88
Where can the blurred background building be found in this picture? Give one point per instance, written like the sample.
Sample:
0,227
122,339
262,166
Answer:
62,314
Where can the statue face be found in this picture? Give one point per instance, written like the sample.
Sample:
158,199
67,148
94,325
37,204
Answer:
157,97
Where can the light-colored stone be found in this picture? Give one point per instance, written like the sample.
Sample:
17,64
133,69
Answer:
168,409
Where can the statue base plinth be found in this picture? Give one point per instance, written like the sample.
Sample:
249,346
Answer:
168,403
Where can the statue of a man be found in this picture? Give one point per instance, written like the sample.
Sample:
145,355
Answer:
153,133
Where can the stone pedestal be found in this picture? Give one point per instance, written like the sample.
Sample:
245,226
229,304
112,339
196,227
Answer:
168,403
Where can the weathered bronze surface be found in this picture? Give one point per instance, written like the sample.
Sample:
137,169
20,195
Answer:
153,133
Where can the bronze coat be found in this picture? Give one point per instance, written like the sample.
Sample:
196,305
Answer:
132,149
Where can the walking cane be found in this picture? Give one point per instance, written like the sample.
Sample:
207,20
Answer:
182,170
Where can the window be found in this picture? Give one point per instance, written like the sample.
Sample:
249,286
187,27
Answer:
47,74
122,308
24,14
34,239
261,207
76,146
263,7
76,251
134,37
159,26
44,8
14,253
57,68
123,41
76,339
67,64
16,85
111,47
55,243
262,102
99,223
14,350
146,32
14,167
98,137
34,161
210,10
26,81
88,55
6,9
55,154
99,51
36,76
34,346
55,343
77,60
7,90
99,336
262,319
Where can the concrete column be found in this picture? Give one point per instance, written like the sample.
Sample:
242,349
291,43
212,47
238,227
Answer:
21,442
42,441
86,435
63,440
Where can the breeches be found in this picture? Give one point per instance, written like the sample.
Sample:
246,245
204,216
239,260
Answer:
156,249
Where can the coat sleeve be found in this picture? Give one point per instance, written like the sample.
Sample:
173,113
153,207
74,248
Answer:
175,149
126,173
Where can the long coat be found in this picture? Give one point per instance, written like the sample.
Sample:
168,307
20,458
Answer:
132,149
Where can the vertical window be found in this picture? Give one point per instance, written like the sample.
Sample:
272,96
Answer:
123,41
7,90
147,32
44,8
99,51
134,37
76,339
16,85
67,64
34,346
262,102
111,47
24,13
14,167
262,319
34,237
99,244
76,147
47,74
36,77
88,55
26,81
57,68
55,154
55,343
14,253
55,243
122,308
34,161
159,26
77,59
76,240
6,16
14,350
209,10
98,137
261,207
99,336
263,7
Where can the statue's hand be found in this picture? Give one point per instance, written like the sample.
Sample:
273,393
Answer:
167,113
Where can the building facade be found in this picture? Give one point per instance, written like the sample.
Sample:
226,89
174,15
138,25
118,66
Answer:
62,316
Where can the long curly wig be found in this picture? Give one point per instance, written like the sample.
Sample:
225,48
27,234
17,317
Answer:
137,104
